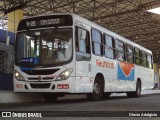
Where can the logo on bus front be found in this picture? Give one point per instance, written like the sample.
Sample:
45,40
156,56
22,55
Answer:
39,78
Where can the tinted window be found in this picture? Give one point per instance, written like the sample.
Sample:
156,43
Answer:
120,50
149,61
137,56
82,44
96,42
129,53
119,45
109,47
143,59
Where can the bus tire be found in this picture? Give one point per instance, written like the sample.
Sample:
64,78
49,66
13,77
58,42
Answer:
50,97
137,93
106,95
98,90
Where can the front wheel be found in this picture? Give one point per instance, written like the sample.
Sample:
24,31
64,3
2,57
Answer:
98,90
50,97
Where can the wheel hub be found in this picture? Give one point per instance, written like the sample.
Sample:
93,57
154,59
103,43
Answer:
96,88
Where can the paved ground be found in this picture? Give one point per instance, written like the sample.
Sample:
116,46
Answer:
149,101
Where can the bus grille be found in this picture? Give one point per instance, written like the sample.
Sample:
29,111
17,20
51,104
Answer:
40,72
42,80
44,85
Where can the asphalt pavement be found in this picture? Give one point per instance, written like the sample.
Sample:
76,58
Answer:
71,106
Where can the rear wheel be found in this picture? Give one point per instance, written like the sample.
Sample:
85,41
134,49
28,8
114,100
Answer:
98,90
137,93
50,97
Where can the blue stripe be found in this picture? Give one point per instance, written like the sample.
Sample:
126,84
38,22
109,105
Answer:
26,68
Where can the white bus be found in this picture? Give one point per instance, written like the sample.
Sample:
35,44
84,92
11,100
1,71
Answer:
64,53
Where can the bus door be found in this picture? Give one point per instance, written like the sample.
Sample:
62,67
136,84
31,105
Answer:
83,56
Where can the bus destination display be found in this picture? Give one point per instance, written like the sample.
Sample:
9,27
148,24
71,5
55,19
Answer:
46,21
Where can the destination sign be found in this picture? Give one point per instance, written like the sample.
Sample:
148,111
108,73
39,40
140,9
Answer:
45,21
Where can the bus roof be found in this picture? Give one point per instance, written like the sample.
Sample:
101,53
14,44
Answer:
98,27
108,32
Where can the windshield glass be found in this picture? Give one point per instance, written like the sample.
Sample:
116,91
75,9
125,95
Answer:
44,47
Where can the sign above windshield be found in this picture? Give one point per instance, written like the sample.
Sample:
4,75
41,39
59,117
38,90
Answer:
46,21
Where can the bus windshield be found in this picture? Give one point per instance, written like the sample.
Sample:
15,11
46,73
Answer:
44,47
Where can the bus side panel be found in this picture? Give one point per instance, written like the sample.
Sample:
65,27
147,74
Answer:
106,67
151,79
84,81
146,77
125,77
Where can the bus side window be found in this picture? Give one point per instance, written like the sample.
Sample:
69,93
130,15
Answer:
144,58
149,61
82,44
129,53
137,56
120,50
97,45
109,50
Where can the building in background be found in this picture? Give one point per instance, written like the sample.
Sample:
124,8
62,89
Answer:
6,59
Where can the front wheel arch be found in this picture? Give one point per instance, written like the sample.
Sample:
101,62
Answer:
98,88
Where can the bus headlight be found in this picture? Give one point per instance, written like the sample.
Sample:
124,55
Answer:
18,76
65,74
